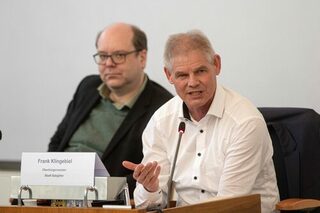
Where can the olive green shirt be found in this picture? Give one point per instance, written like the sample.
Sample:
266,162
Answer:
95,133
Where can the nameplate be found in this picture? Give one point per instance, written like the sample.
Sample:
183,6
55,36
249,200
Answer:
61,168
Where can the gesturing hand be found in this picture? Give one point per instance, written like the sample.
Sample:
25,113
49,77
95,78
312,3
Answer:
147,175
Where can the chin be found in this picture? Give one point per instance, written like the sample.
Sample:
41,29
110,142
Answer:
113,83
196,103
115,87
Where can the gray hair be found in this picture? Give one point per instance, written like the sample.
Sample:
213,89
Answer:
182,43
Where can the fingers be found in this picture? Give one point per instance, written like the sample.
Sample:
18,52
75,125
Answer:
147,172
137,171
129,165
154,178
149,176
157,172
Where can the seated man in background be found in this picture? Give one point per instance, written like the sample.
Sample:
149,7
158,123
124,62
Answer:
109,113
226,149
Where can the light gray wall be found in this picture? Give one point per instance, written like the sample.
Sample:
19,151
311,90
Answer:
270,53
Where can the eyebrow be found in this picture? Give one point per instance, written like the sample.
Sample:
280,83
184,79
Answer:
202,67
117,51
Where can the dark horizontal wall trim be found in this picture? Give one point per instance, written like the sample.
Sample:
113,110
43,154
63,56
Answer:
10,165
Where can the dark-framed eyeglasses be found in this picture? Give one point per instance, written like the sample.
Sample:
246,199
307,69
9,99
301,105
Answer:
116,57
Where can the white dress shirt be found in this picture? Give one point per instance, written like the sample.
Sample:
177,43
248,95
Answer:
227,153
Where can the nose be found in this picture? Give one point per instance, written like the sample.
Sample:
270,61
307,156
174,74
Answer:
109,61
193,81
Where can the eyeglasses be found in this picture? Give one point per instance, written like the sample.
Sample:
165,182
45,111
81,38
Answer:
116,57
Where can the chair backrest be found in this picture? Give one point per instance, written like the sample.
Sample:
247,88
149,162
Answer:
295,134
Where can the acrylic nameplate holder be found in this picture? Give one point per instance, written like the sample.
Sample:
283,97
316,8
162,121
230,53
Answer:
66,176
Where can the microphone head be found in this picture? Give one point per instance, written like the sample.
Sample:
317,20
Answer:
182,127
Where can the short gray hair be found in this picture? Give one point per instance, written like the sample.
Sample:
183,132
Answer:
185,42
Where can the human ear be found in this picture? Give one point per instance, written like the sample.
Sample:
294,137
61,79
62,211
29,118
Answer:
143,58
217,63
168,74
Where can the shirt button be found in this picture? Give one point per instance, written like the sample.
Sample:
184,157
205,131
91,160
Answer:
203,191
201,131
195,177
199,154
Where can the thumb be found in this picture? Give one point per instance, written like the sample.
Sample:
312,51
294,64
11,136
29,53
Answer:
129,165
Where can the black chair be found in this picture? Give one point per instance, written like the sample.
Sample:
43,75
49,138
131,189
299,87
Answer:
295,134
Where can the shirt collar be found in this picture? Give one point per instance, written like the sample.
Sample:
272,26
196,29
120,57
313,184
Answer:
216,108
104,92
218,104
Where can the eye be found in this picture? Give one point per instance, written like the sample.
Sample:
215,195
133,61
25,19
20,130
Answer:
118,55
181,75
103,57
201,70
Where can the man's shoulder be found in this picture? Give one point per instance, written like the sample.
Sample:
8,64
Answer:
157,89
171,108
88,85
239,106
90,81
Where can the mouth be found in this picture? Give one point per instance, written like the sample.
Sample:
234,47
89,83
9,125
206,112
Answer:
195,93
112,75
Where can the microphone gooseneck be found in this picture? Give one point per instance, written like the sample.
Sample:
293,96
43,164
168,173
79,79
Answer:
181,130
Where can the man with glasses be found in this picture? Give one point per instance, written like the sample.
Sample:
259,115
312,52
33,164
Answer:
109,112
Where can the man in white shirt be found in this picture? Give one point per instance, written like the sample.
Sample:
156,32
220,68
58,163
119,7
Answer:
226,149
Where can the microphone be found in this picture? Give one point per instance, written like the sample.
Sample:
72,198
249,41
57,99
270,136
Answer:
0,135
181,130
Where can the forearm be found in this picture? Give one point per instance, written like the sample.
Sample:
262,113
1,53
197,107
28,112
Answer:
150,200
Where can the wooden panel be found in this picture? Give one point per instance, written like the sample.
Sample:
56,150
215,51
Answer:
244,204
38,209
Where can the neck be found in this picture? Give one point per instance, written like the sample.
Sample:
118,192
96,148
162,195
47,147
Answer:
125,94
199,112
